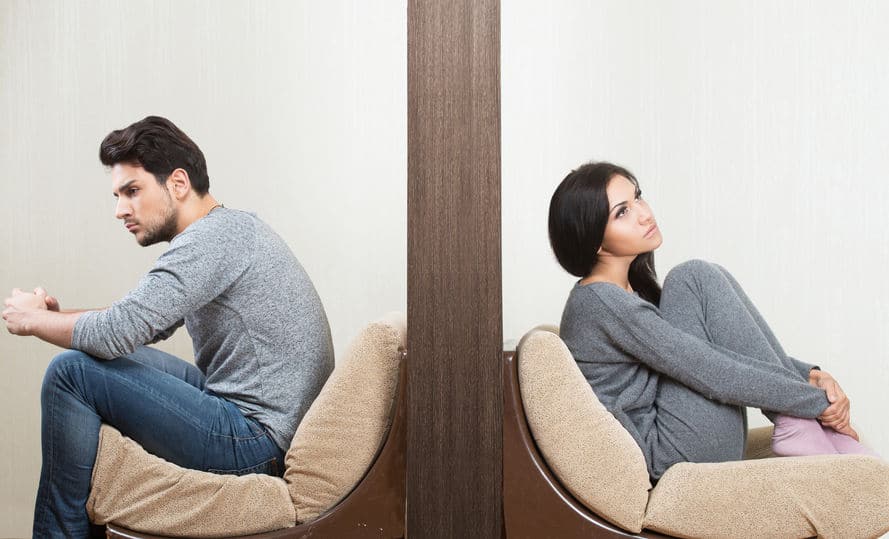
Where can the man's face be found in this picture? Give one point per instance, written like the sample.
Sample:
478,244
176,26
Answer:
144,205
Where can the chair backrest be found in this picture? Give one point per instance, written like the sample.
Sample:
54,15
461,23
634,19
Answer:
587,449
342,431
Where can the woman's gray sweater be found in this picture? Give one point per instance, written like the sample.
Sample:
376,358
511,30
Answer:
628,352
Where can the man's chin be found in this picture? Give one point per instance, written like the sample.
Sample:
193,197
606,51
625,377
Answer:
145,241
151,239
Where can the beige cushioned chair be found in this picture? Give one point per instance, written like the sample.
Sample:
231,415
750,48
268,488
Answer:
598,464
337,441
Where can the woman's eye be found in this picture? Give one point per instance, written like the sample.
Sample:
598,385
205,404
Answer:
621,212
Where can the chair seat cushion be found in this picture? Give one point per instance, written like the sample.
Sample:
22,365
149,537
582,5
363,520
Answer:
824,496
142,492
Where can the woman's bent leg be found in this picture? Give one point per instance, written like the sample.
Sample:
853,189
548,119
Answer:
841,443
702,299
693,428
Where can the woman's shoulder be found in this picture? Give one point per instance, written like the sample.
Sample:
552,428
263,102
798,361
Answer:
603,293
606,307
596,317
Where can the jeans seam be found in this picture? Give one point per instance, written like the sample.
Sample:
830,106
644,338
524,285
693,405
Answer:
51,459
243,471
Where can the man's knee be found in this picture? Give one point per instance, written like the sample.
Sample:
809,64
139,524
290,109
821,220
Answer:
60,367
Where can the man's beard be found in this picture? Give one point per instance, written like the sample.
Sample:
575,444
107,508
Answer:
165,230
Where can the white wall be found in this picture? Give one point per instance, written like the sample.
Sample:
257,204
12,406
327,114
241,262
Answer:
758,130
760,134
299,107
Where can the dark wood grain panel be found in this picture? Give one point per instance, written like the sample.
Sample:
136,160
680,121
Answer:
454,276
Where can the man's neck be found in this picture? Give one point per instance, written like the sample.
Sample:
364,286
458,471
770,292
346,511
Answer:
195,209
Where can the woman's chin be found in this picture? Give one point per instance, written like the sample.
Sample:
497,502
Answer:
657,240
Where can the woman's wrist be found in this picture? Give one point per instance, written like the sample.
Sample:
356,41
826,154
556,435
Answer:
815,375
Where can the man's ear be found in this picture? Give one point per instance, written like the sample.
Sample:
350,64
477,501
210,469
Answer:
178,184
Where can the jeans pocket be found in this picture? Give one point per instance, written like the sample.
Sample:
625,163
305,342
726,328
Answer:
269,467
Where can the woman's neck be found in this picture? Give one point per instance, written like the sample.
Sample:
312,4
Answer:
611,270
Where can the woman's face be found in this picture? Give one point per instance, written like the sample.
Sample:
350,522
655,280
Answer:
631,228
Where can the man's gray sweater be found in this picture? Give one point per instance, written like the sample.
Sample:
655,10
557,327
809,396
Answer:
260,333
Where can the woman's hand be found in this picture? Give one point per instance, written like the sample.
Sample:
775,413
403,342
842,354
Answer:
837,415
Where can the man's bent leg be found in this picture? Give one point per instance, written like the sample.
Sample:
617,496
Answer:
166,415
169,364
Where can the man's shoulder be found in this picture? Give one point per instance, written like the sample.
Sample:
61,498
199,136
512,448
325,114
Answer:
232,224
231,217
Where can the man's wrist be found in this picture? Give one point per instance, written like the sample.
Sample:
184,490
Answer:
52,327
32,321
27,329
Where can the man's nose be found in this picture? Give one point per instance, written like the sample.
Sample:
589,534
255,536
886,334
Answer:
122,209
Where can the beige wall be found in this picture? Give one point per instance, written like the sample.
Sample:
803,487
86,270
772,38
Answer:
299,108
760,134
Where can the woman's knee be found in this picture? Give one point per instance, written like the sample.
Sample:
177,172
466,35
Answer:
692,270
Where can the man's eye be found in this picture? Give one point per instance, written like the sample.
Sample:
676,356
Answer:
132,191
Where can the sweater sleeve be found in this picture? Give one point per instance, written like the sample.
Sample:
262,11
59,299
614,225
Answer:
716,372
200,264
803,367
167,333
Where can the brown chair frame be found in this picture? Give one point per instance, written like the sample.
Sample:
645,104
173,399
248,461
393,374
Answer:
535,504
374,508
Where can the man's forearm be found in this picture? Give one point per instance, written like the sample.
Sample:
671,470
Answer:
52,327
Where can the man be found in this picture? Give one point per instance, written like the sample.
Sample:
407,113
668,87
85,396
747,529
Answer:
261,338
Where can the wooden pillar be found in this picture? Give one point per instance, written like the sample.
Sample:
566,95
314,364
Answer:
454,461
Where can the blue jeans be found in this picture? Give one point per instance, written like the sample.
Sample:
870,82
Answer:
158,400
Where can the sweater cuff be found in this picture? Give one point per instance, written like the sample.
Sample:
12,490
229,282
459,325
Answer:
77,333
802,367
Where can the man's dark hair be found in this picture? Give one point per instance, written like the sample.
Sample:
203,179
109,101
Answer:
159,147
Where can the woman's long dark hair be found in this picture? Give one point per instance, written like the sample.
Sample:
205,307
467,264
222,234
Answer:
578,213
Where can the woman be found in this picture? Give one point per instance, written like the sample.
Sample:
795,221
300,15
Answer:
676,366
